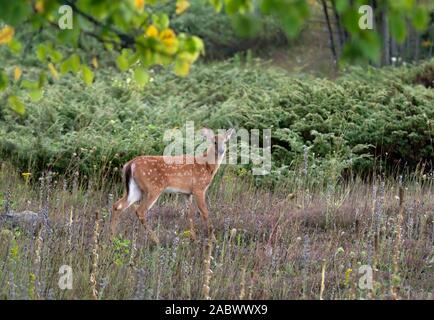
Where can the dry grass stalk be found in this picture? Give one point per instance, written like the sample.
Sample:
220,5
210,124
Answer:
207,270
243,284
94,265
251,285
133,245
396,250
70,221
37,259
321,293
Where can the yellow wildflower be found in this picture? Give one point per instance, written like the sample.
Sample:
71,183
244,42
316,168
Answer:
186,233
6,34
152,31
26,176
347,275
139,4
39,6
17,73
181,6
168,37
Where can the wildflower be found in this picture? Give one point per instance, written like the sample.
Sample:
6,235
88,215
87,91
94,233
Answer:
17,73
26,176
168,37
233,232
151,31
347,275
39,6
181,6
186,233
6,34
139,4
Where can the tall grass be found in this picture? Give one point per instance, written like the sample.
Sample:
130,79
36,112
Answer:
268,245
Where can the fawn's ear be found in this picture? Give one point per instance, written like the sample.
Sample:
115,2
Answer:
229,133
207,134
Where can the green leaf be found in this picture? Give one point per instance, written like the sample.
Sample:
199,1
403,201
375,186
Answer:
41,80
350,19
35,94
420,18
14,12
72,64
87,75
341,5
397,26
26,84
291,24
122,62
161,20
217,4
245,25
16,105
141,76
3,81
56,56
15,46
41,53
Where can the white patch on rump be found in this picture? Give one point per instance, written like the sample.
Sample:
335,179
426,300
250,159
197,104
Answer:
134,194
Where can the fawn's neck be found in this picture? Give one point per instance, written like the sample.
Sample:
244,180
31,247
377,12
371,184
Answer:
212,159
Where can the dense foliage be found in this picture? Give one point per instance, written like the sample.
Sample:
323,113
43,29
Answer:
141,34
349,122
220,34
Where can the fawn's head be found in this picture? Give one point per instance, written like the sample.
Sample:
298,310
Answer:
217,142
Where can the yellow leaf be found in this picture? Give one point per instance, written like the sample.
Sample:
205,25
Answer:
6,34
152,31
139,4
53,71
95,62
181,6
168,37
17,73
39,6
181,68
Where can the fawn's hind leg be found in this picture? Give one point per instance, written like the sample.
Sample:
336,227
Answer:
145,205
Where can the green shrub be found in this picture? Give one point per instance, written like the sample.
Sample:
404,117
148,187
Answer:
340,122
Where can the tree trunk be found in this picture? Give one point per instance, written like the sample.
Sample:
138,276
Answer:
330,30
386,38
341,35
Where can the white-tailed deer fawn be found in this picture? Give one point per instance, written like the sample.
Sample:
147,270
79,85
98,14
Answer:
146,177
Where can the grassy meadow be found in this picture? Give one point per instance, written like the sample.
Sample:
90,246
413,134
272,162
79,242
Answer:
294,242
351,183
